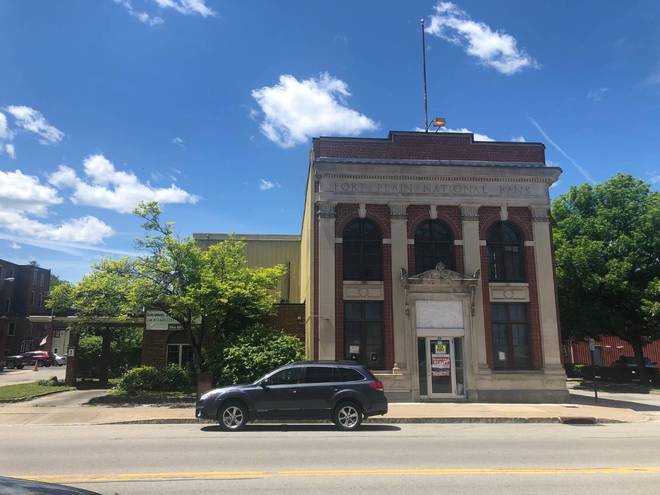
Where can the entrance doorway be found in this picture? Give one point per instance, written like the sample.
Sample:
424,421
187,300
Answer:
440,367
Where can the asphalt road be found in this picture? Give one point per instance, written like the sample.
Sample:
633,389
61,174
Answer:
27,375
458,459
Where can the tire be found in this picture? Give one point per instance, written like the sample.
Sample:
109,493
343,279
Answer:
232,416
47,364
40,364
19,366
347,416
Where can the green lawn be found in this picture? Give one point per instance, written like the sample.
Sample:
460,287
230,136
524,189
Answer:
120,397
27,391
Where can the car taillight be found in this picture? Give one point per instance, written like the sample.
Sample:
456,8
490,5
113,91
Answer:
377,384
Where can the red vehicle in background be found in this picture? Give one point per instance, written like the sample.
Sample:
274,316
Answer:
43,358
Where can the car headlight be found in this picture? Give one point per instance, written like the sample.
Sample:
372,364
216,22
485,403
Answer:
210,394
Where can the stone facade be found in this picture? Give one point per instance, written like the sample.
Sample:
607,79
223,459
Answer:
396,184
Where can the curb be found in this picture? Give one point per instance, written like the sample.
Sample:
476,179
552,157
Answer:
446,420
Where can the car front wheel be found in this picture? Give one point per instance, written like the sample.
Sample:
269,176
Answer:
347,416
232,416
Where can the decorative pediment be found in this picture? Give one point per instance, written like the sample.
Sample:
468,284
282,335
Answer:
440,273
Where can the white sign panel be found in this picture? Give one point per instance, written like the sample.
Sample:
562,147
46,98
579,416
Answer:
439,314
158,320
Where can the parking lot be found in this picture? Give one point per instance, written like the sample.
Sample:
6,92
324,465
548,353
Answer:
27,375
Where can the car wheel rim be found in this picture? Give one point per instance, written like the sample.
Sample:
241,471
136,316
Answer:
348,417
232,417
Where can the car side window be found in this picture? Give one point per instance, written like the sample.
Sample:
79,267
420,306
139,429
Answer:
289,376
350,375
319,374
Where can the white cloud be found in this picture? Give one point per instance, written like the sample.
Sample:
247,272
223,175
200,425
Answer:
25,193
23,197
15,245
265,184
296,110
32,120
493,48
107,187
178,141
654,178
4,129
597,94
519,139
187,7
143,17
11,151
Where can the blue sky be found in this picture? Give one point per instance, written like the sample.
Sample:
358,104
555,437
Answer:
208,105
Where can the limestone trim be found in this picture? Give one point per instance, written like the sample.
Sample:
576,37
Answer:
540,213
436,178
363,291
508,292
398,211
326,209
470,213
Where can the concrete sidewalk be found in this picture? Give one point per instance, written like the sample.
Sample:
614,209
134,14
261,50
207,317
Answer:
68,408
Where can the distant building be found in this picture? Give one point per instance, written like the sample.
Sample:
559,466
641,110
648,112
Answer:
23,292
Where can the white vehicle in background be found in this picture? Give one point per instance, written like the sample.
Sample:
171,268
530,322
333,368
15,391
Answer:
60,360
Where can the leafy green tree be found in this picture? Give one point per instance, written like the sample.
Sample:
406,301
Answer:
607,248
101,293
212,294
253,353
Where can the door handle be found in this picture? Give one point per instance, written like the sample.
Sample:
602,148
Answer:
294,391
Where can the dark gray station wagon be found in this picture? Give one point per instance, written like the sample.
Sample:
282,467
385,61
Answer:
344,392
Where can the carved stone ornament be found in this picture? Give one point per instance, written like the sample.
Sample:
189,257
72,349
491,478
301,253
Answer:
540,213
326,209
362,210
398,210
442,273
441,276
470,213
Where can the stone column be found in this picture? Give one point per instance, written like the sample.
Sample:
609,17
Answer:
472,262
545,287
326,283
399,239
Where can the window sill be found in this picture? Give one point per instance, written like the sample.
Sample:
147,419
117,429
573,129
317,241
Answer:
501,371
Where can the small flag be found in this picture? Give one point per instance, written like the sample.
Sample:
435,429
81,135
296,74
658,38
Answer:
43,341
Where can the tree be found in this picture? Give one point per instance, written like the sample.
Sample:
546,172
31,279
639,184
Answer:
101,293
607,248
212,294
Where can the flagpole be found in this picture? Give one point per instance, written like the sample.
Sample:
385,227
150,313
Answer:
426,104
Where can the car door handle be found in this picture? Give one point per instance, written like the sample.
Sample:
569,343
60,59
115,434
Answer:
294,391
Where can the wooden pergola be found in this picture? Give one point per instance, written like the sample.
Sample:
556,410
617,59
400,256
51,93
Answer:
71,323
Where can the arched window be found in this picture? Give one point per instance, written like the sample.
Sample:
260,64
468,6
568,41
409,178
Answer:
434,243
505,253
363,251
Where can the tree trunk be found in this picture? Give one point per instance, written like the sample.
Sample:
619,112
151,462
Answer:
196,347
104,361
638,347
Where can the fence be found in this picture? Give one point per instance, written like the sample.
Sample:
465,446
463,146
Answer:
577,351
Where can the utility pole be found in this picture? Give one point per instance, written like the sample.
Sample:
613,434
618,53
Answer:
426,104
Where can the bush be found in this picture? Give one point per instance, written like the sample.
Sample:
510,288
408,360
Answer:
149,378
253,353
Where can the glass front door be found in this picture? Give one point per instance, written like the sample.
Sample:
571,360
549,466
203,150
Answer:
440,366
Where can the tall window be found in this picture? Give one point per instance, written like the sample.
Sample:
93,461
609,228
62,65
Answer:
363,251
510,331
363,333
434,243
179,351
505,253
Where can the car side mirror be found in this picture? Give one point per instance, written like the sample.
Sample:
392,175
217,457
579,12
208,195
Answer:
264,383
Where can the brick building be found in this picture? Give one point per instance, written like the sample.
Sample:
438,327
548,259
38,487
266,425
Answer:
23,292
427,257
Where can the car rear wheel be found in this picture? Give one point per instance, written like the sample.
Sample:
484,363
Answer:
347,416
232,416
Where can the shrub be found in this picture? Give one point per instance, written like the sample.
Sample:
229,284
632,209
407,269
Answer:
149,378
125,350
253,353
